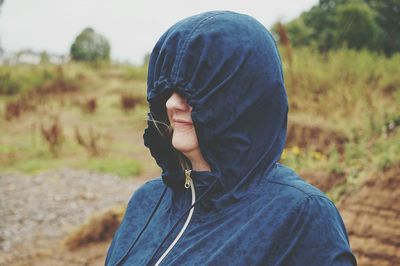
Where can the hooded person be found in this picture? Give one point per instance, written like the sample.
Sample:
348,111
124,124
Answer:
248,209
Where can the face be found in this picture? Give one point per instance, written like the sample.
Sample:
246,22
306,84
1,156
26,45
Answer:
184,137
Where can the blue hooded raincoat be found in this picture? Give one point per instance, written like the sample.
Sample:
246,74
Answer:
249,209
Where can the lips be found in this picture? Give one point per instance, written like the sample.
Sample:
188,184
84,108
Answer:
181,122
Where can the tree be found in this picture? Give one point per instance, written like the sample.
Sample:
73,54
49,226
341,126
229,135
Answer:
315,26
321,19
357,26
90,46
372,24
302,32
388,18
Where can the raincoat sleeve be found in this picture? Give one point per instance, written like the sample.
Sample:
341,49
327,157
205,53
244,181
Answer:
316,235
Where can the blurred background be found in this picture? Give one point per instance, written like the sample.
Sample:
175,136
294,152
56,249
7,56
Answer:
73,107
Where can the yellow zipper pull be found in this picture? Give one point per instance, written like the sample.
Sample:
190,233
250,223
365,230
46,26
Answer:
187,178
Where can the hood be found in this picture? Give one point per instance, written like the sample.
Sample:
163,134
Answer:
228,68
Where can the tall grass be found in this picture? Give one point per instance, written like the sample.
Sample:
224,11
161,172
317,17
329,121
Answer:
356,91
344,113
84,97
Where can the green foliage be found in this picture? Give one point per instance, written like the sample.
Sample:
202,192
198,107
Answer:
90,46
123,167
357,24
302,32
136,73
35,165
8,85
43,78
16,80
334,165
388,18
384,152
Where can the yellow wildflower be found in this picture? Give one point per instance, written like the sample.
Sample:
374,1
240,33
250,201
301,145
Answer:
296,150
317,155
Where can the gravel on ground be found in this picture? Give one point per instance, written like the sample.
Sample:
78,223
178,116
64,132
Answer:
35,210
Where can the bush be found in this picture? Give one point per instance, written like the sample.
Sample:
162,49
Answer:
8,85
90,46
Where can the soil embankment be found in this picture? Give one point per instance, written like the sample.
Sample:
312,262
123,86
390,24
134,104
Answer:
372,218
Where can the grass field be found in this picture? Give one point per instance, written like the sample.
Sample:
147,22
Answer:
343,119
94,122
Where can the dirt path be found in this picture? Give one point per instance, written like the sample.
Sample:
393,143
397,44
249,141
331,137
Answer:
37,212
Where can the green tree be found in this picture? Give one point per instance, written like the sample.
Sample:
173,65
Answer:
356,26
388,18
303,34
321,19
315,26
90,46
372,24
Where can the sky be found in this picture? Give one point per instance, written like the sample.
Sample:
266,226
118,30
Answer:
132,27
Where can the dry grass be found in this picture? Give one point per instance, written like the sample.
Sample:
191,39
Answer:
100,227
53,135
90,105
343,118
112,138
129,101
95,143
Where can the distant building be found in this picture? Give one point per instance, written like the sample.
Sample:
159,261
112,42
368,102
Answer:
32,58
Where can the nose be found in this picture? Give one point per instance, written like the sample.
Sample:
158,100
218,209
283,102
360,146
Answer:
177,102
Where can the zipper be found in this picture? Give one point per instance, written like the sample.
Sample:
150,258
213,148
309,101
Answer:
188,179
188,184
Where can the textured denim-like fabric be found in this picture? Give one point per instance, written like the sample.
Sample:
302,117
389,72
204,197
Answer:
257,212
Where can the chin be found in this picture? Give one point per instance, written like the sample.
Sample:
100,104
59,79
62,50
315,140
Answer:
184,146
184,142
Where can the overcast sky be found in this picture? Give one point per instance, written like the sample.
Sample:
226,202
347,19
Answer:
132,27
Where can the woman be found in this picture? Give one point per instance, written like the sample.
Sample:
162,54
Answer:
217,128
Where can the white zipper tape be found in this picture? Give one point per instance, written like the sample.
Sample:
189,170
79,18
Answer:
184,226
